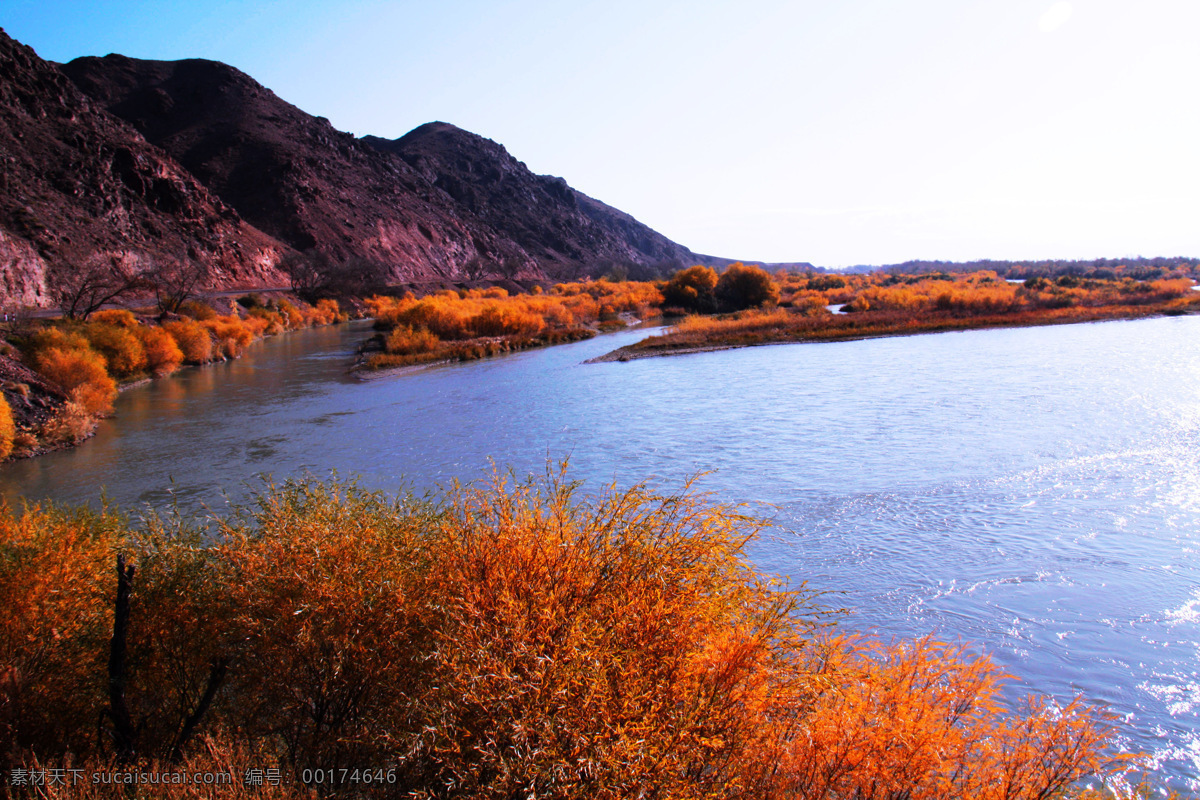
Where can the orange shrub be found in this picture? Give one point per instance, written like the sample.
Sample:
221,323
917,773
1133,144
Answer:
55,621
404,340
231,334
266,321
197,310
163,355
257,326
808,302
505,320
70,424
582,307
7,429
505,639
53,336
193,339
325,312
692,289
744,286
444,316
82,375
119,317
293,318
557,315
456,316
923,720
121,347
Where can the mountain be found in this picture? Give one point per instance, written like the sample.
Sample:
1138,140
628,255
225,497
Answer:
80,187
130,163
561,228
289,173
438,203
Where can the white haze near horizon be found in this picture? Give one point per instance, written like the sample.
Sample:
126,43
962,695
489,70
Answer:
860,131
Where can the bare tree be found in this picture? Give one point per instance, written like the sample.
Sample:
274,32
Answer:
308,272
511,266
81,289
314,274
359,276
175,281
475,268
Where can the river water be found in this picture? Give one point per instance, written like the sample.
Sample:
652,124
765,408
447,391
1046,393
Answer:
1033,491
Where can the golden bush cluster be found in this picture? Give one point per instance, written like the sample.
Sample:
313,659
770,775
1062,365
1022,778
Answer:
8,430
508,639
886,304
470,324
86,360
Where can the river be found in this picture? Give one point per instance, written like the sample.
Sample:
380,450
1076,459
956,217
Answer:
1034,491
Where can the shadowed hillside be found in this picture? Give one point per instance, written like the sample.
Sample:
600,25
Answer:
80,190
563,229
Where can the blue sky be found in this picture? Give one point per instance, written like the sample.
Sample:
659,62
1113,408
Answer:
838,132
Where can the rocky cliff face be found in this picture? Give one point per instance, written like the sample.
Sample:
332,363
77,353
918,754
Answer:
117,160
292,174
565,231
79,185
437,203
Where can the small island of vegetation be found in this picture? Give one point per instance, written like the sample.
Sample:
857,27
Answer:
760,308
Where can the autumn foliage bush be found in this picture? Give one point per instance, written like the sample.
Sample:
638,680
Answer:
403,340
891,304
507,639
68,360
119,317
7,429
469,324
163,355
692,289
122,348
231,335
741,286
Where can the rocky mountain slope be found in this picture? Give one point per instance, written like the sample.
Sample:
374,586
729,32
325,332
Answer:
79,187
139,163
561,228
439,203
290,173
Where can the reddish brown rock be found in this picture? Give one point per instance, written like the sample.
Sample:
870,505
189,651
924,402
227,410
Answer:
439,203
79,185
564,230
290,173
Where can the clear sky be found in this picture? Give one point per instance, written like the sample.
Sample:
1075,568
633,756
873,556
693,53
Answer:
839,132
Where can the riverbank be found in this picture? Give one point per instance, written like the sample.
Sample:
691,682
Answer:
472,324
783,326
61,376
935,480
